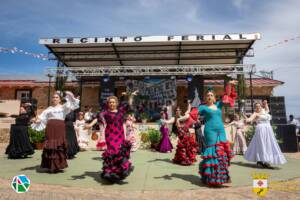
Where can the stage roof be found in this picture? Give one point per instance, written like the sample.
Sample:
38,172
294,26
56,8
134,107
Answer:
194,49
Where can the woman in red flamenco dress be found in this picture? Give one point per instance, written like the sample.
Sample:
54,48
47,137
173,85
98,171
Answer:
216,157
186,150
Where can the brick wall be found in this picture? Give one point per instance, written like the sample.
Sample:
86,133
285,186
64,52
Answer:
7,93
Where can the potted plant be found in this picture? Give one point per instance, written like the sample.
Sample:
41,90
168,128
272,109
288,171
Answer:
37,138
144,117
154,137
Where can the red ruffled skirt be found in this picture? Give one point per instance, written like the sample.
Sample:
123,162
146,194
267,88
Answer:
186,150
214,166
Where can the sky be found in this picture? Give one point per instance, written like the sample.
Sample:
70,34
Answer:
22,23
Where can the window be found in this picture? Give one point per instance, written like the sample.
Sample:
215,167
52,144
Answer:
23,94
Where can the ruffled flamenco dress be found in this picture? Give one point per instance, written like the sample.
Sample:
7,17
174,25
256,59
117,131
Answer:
187,147
73,147
116,163
165,144
216,157
19,143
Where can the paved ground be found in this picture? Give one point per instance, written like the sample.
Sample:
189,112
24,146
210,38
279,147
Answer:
283,190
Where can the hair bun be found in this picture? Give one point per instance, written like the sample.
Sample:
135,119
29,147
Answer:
210,88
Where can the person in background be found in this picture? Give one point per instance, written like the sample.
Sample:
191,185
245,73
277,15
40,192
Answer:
82,133
130,131
19,143
73,147
88,115
169,108
240,145
165,145
295,122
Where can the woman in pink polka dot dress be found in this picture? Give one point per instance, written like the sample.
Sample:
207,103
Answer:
116,164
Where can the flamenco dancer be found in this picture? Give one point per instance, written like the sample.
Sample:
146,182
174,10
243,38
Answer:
263,148
216,157
83,134
19,144
73,147
54,156
240,145
131,131
165,145
101,144
116,164
186,150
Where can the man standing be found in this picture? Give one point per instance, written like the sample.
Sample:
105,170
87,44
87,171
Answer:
295,122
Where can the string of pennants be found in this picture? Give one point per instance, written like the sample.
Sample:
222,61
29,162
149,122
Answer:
20,51
282,42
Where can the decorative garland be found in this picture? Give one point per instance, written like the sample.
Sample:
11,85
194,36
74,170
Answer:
20,51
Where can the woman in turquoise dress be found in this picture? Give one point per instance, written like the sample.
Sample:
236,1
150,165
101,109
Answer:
216,157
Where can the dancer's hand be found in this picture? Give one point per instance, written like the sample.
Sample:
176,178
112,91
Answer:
135,92
36,120
124,93
265,102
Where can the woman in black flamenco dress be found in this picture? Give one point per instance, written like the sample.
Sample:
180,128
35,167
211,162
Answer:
73,147
19,143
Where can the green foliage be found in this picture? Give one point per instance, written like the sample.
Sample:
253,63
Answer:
249,134
151,137
145,116
154,136
36,136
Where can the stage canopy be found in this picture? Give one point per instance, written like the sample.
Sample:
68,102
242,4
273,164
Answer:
185,51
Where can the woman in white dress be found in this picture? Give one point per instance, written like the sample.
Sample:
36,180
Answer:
263,147
82,133
54,156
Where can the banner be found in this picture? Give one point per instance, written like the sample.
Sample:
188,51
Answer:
157,92
165,38
107,88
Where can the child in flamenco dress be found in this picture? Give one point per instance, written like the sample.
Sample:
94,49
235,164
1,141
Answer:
216,157
83,134
101,144
131,131
116,164
165,145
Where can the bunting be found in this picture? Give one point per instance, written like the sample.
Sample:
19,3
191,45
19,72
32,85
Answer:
16,50
283,42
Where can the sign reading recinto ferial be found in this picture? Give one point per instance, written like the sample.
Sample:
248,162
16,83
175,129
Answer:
136,39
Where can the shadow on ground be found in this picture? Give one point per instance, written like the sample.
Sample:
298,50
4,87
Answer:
96,176
252,165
